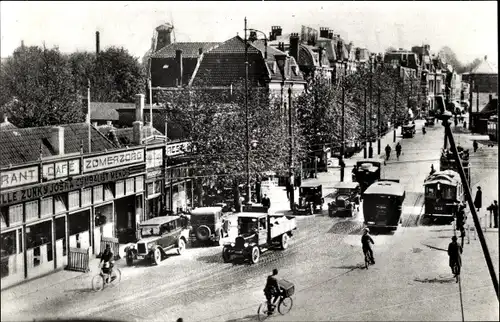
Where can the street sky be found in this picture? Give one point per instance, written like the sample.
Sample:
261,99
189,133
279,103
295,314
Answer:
468,27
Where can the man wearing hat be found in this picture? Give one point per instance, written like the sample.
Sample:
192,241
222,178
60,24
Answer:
454,252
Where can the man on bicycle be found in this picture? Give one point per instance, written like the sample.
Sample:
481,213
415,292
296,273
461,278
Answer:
366,239
271,290
454,252
107,258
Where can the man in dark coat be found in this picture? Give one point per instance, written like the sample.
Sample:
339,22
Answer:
266,202
475,145
455,254
494,209
478,200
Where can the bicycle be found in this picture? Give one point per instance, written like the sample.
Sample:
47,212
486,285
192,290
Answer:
100,280
285,304
368,259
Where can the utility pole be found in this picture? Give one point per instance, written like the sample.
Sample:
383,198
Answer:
291,176
468,195
371,110
470,102
366,134
378,122
342,143
247,130
395,103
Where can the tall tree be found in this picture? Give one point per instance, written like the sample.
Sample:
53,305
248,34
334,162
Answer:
115,75
215,122
37,88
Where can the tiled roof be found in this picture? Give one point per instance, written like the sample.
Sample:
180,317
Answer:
22,145
485,67
6,125
234,45
189,49
491,107
271,51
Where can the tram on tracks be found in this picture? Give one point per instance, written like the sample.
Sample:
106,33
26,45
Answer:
448,162
383,204
443,194
492,128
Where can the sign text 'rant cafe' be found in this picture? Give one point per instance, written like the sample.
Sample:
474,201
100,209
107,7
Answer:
113,160
18,177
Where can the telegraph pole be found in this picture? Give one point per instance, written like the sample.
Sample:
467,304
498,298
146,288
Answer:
378,122
470,102
247,133
342,146
366,134
291,176
394,116
371,110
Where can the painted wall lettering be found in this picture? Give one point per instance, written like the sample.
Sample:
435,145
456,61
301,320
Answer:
13,178
113,160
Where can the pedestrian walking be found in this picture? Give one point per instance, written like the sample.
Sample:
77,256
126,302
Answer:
423,130
398,150
387,152
493,208
478,199
465,124
475,145
455,255
266,202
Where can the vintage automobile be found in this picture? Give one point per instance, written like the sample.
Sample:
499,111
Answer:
443,194
368,172
408,130
158,235
310,200
346,199
383,204
208,225
257,233
429,121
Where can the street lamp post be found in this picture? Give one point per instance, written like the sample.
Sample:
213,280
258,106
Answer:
366,134
290,160
394,116
247,133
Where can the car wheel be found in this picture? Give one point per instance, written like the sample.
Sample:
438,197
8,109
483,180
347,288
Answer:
255,255
226,257
203,233
181,246
284,241
157,256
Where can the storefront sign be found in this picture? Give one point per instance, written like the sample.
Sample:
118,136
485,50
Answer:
154,173
113,160
61,169
13,178
61,186
154,158
177,148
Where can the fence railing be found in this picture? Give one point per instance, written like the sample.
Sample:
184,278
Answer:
78,260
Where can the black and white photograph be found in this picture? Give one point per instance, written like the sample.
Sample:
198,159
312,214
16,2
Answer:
237,161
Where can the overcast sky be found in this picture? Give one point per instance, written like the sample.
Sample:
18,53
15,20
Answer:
468,27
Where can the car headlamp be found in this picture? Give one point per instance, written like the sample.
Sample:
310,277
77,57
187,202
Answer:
245,244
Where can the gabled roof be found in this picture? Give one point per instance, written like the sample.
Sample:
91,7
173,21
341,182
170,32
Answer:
232,46
24,145
271,51
189,49
6,125
491,107
486,67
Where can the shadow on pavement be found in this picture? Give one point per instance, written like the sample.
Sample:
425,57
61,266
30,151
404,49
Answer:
435,280
210,259
436,248
347,227
253,317
81,291
351,267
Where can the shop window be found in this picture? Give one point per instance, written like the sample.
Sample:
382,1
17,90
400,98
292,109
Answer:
61,232
108,192
78,222
37,236
74,199
60,204
8,247
15,214
103,215
139,183
86,197
98,194
47,205
31,209
3,217
129,186
120,188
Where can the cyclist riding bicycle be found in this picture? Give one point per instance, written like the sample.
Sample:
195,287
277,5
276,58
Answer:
107,258
272,289
366,239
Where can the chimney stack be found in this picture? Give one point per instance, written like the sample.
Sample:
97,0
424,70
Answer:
57,139
178,59
97,43
137,133
294,46
275,32
139,107
200,51
330,34
323,32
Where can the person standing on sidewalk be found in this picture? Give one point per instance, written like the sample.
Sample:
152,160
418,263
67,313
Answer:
398,150
475,145
266,202
493,208
478,201
455,255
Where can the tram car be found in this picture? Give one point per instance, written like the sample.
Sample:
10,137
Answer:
383,204
444,192
368,172
448,162
492,128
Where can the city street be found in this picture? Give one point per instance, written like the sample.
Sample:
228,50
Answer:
411,279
